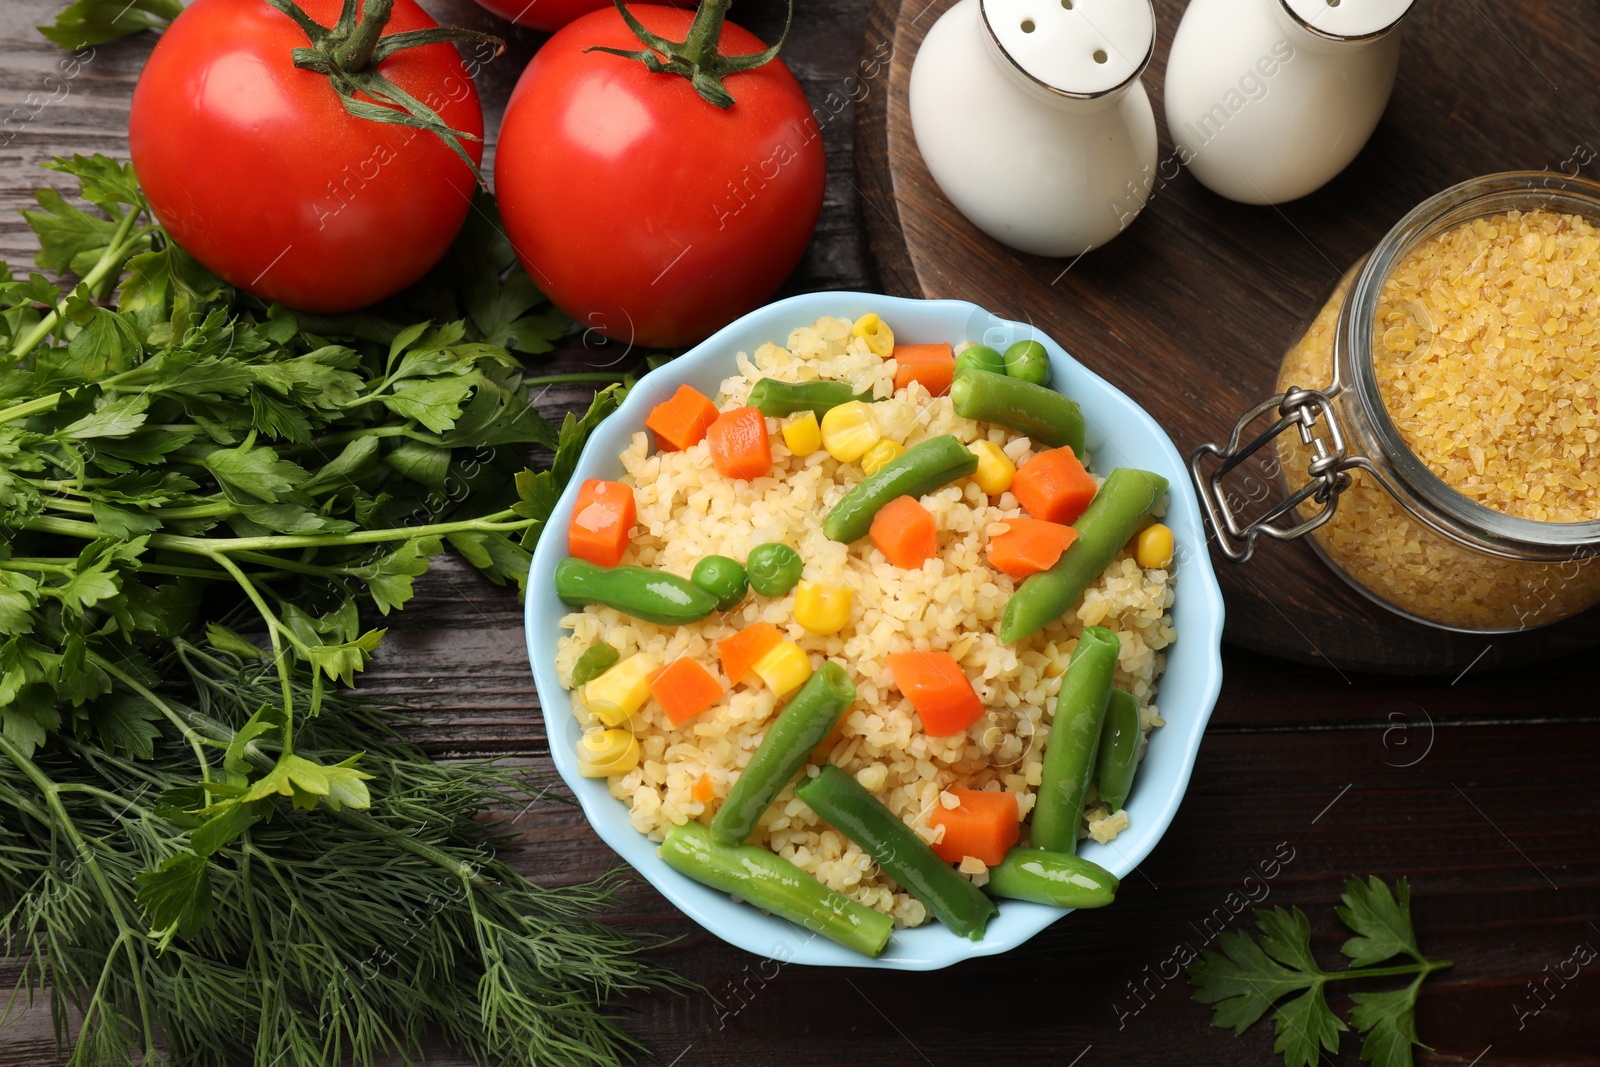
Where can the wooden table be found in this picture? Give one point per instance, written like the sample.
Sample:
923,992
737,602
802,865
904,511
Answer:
1478,788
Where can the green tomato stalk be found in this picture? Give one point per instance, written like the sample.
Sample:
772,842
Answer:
350,52
696,56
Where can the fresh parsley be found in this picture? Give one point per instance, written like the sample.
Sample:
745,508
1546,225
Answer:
208,848
1247,977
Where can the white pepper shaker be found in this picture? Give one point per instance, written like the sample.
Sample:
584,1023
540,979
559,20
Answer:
1268,100
1033,120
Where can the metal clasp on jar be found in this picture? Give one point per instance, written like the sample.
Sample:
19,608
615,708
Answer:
1303,409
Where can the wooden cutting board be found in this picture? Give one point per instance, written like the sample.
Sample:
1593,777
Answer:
1190,309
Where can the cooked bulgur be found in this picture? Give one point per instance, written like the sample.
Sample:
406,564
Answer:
953,603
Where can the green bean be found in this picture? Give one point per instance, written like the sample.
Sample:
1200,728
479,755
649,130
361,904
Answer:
895,847
920,469
773,884
595,661
799,728
1112,517
1029,362
981,357
652,595
723,578
773,568
1056,878
1119,749
1046,416
1069,753
778,399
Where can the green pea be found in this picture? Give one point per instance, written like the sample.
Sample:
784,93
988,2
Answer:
1028,361
981,357
774,568
723,578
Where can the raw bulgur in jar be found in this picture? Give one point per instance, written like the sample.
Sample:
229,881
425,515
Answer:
1463,361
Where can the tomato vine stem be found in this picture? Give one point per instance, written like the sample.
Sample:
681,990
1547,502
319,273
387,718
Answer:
696,57
351,52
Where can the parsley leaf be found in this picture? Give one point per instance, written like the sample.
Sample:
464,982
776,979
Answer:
1382,922
1246,978
305,783
176,896
1242,980
92,22
1390,1022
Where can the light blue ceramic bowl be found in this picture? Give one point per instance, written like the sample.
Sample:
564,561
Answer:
1120,434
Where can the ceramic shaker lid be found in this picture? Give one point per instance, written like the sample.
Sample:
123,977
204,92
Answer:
1347,19
1080,48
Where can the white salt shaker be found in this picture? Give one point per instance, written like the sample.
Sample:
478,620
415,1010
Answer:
1032,118
1268,100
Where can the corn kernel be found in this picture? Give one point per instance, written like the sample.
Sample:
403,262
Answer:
622,690
995,469
602,753
822,609
784,669
1153,546
879,454
802,434
849,430
879,338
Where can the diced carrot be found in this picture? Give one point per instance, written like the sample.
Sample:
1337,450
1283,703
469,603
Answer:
905,533
985,826
602,522
932,365
704,791
938,688
825,748
681,421
739,445
741,651
1029,546
1054,486
684,689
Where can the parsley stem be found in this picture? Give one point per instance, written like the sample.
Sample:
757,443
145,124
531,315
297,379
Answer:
112,259
218,509
577,378
499,522
1421,970
274,628
39,405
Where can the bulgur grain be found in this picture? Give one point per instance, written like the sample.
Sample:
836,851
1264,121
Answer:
1487,358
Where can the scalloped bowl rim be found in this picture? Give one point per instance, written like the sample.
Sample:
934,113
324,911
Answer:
1186,692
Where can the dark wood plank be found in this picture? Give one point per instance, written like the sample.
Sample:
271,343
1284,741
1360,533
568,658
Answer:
1221,288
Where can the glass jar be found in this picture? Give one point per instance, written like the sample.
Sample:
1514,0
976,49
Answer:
1444,540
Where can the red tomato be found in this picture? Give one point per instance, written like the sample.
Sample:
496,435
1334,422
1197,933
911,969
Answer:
256,169
641,210
543,15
